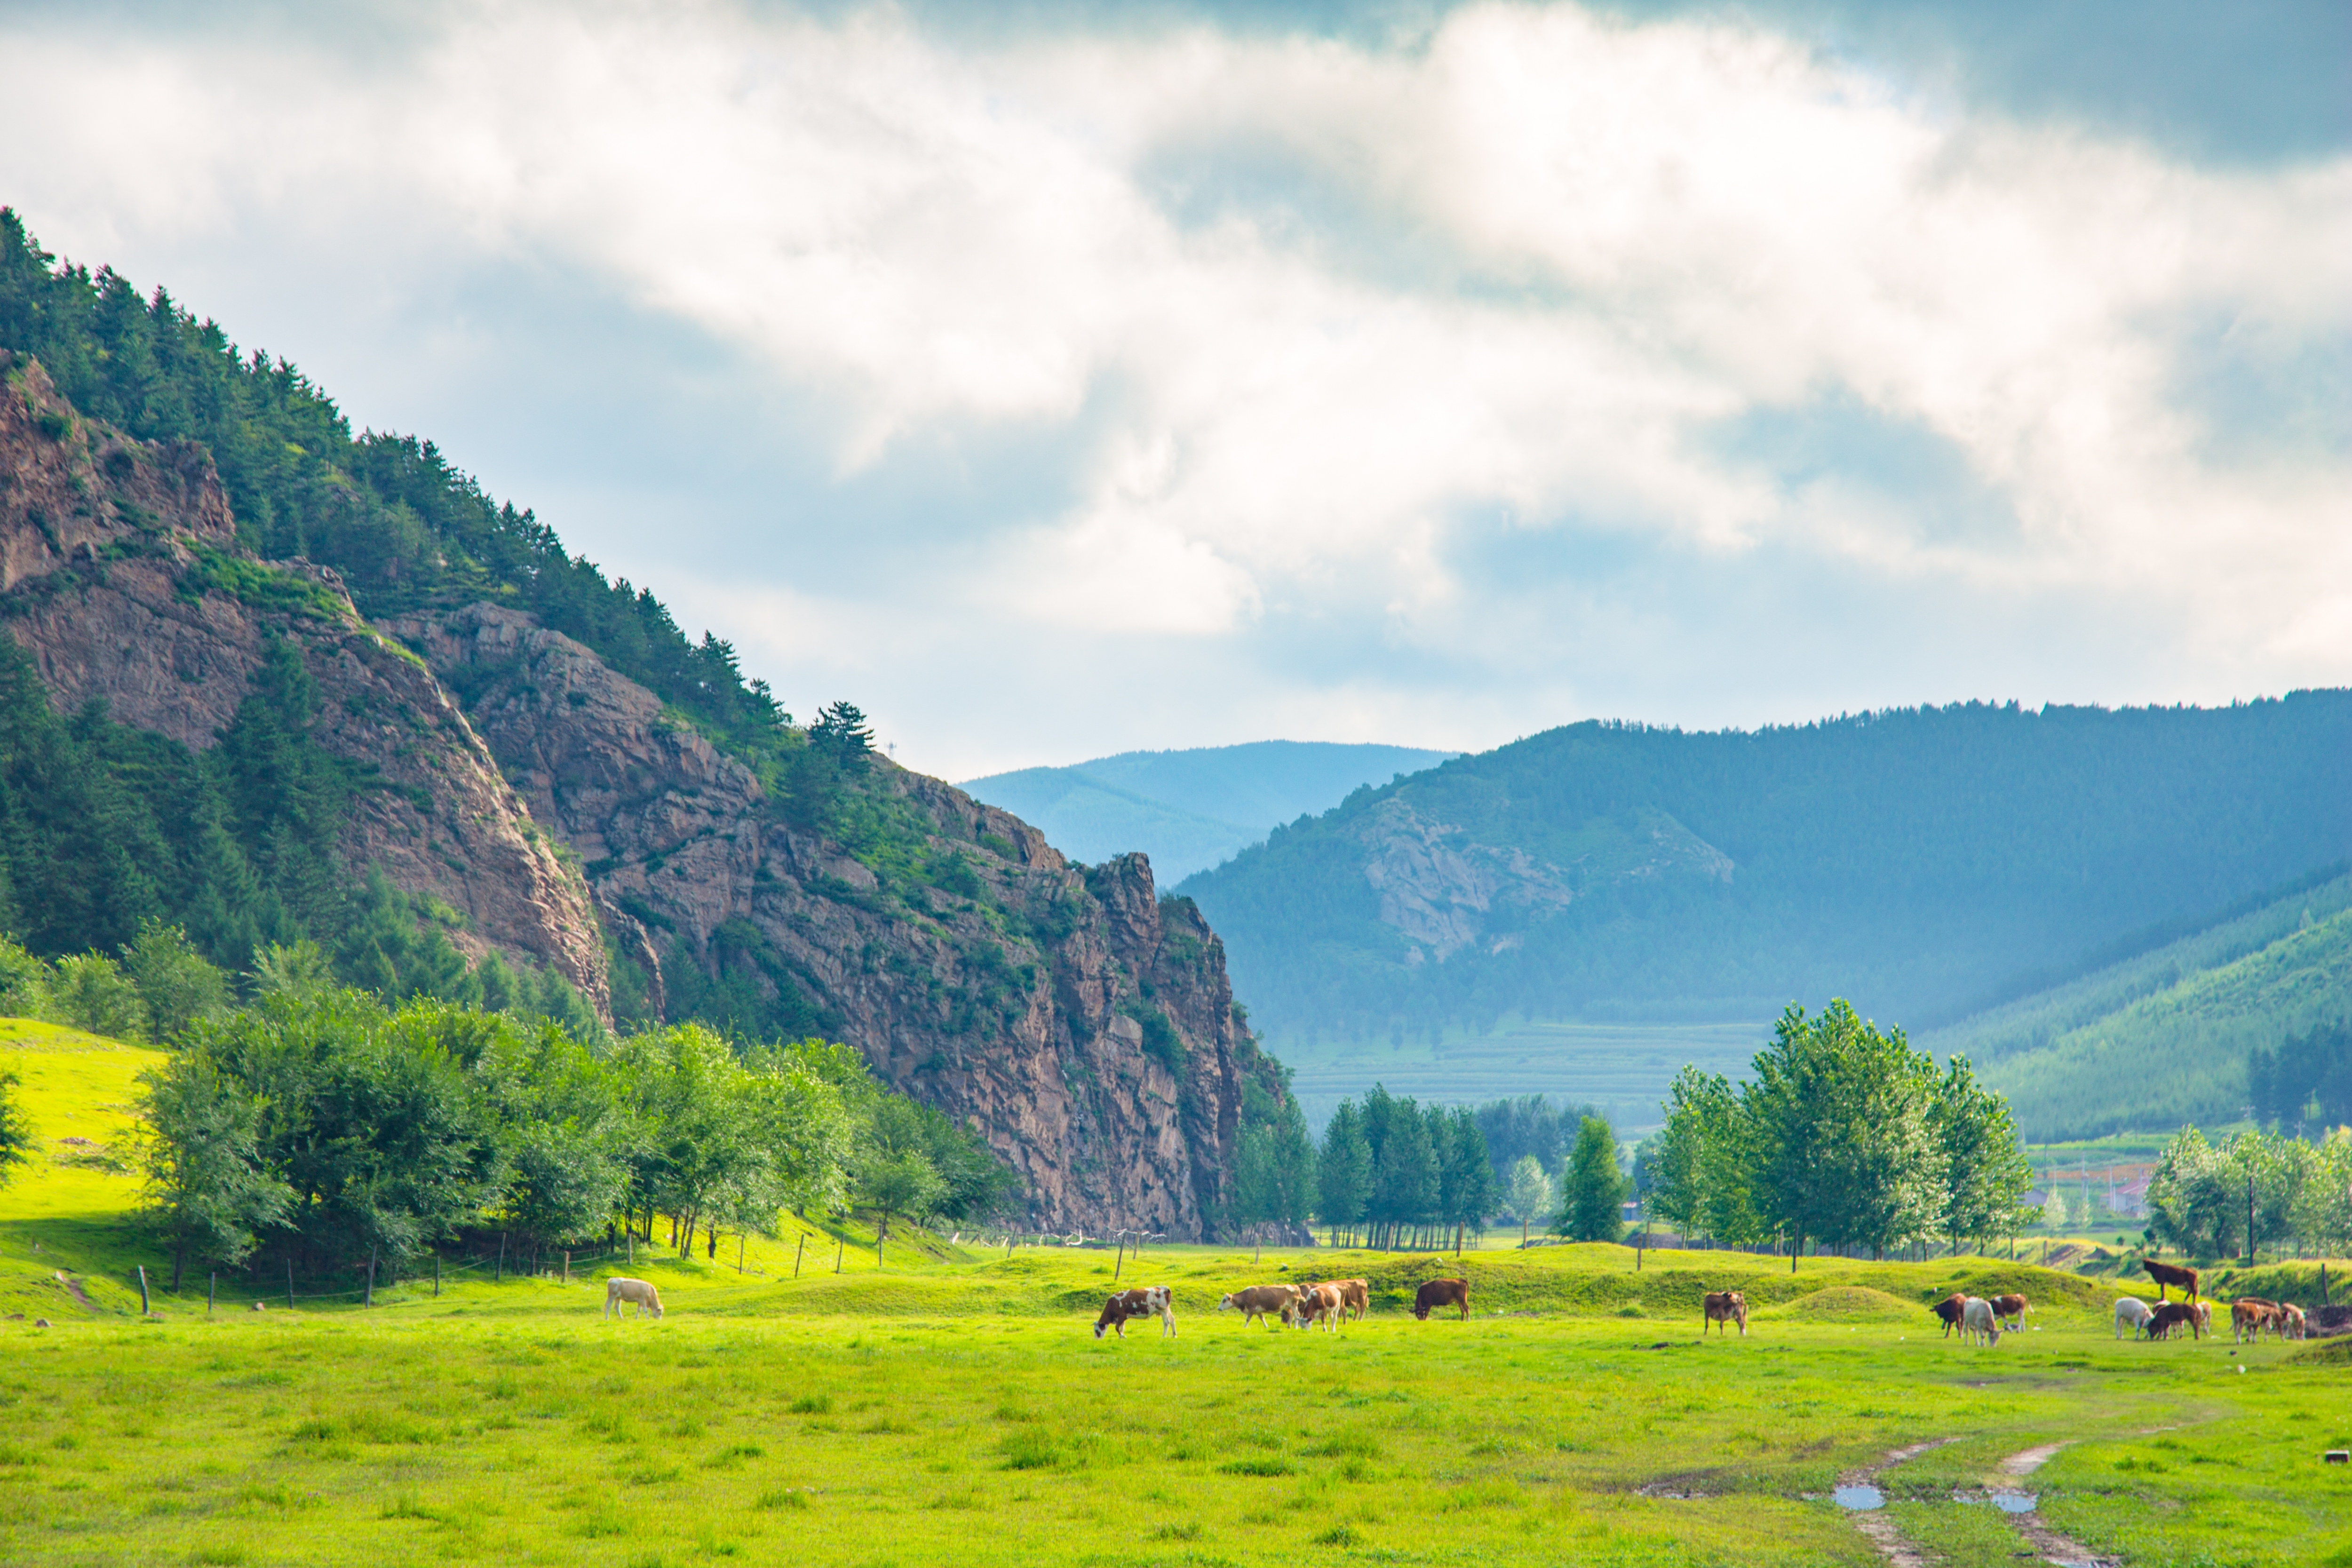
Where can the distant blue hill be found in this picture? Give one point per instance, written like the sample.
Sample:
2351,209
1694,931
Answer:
1194,809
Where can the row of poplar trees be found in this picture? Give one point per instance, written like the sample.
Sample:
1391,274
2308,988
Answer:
1844,1137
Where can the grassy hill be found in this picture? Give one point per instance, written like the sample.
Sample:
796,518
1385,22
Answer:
1916,862
1192,809
2162,1038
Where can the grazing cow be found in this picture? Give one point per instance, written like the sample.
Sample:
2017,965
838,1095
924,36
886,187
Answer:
638,1293
2170,1315
1436,1293
2204,1311
2291,1321
1977,1322
1724,1307
1355,1296
1259,1300
1948,1311
1143,1301
2166,1274
2249,1316
1323,1304
2131,1310
2010,1308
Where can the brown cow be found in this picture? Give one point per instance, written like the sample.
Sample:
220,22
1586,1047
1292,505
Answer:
1950,1310
1259,1300
2291,1321
1143,1301
1725,1306
1438,1293
2170,1315
2166,1274
1355,1295
1321,1304
2008,1307
2250,1315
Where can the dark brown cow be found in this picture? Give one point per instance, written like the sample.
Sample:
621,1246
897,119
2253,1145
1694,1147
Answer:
1438,1293
1144,1302
2005,1307
2170,1315
1725,1306
1950,1310
2166,1274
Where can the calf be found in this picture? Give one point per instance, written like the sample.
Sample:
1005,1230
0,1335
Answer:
2010,1308
2131,1310
1724,1307
1143,1301
2170,1315
639,1293
1977,1322
1436,1293
1948,1311
2249,1316
1321,1304
1258,1300
2166,1274
2291,1321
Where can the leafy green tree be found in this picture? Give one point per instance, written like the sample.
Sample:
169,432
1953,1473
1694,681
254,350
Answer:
1701,1167
896,1178
1528,1193
1593,1194
1838,1114
16,1127
90,992
1343,1172
24,983
297,971
1405,1179
178,987
565,1133
1466,1186
1980,1169
209,1189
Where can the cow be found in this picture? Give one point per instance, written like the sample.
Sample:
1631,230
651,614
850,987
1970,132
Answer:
2131,1310
2250,1315
1977,1322
2010,1308
1355,1295
1143,1301
2204,1311
1724,1307
2170,1315
1322,1304
1258,1300
1948,1311
2166,1274
638,1293
2291,1321
1436,1293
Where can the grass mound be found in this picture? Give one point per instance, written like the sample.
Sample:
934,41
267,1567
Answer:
1845,1304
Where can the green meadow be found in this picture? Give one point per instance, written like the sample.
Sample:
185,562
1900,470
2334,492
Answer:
951,1406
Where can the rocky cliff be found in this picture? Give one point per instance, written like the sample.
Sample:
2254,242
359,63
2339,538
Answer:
120,574
1078,1021
1083,1024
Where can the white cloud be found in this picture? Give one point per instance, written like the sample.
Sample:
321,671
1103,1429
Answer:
1318,324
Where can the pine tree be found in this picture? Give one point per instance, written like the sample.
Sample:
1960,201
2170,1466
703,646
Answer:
1595,1188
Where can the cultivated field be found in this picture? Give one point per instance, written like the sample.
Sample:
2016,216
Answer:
954,1409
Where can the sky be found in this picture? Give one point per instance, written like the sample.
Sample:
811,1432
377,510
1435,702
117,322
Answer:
1055,380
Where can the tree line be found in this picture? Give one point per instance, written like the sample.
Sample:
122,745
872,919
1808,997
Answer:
1845,1137
2253,1188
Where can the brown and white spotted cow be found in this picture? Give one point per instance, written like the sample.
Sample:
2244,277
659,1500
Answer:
1143,1301
1321,1304
1725,1306
2011,1309
1258,1300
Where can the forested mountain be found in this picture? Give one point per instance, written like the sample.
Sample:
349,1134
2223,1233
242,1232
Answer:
2249,1014
1192,809
271,681
1923,863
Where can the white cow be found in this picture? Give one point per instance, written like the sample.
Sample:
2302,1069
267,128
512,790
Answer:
639,1293
2131,1310
1977,1322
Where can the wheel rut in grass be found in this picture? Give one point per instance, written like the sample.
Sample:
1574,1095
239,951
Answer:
1868,1512
2047,1544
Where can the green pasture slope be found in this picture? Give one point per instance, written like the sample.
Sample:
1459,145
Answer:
953,1407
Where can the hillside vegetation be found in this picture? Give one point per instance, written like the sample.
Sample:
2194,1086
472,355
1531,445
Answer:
2164,1038
1918,862
1190,809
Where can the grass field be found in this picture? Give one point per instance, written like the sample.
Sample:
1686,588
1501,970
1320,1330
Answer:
953,1407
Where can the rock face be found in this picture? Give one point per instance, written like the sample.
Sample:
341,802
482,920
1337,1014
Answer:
120,574
1082,1024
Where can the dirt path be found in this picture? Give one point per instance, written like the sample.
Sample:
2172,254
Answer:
1875,1526
2047,1544
73,1288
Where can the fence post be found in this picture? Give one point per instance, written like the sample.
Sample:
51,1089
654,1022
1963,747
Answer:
500,1276
212,1290
633,1243
142,1291
740,1242
1120,1260
567,1266
837,1245
289,1281
370,1279
796,1254
437,1276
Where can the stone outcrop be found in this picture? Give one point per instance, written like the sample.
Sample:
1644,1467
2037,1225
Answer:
1080,1021
121,573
